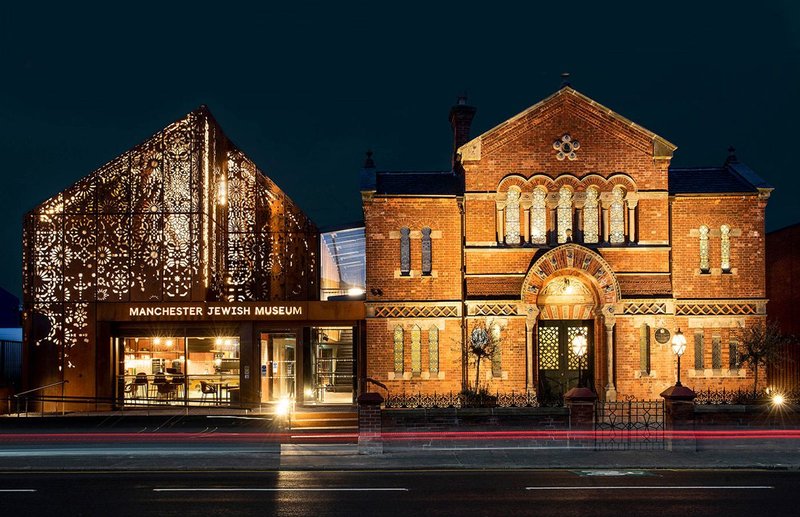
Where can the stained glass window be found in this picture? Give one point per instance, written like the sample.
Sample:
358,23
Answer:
564,214
699,352
716,352
539,217
433,350
704,265
398,349
548,348
512,216
497,356
405,251
725,237
733,355
591,233
617,216
416,350
426,251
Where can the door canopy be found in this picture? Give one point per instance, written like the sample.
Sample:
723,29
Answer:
552,280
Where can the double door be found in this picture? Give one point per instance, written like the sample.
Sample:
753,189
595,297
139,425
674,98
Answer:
559,367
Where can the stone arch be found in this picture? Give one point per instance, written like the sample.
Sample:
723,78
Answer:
577,260
513,180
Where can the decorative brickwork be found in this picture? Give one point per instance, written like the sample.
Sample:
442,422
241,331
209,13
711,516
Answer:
416,311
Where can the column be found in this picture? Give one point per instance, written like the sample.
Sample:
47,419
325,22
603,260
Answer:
526,202
632,202
609,320
605,224
553,226
530,339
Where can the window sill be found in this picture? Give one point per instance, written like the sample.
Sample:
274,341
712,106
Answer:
408,376
414,273
721,373
639,374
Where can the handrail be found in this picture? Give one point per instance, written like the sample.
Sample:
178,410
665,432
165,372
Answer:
370,380
65,381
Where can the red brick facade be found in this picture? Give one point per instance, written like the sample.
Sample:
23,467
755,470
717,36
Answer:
564,213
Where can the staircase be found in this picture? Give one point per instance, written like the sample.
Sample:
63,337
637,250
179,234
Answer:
305,420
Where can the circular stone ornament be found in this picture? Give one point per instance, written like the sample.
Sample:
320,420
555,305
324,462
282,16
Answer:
566,147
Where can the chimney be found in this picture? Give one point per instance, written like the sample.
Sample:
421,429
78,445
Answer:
367,177
461,116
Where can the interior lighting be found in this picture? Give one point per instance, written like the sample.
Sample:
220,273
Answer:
355,291
156,340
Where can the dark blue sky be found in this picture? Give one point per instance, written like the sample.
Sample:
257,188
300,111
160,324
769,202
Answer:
304,90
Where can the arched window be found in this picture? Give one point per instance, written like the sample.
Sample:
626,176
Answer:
405,251
564,215
539,216
497,356
512,216
725,237
704,264
426,251
433,350
416,350
591,222
617,216
398,350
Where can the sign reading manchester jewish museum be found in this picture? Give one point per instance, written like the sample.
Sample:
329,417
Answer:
213,311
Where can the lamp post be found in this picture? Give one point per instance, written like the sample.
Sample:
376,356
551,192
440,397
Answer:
579,347
678,348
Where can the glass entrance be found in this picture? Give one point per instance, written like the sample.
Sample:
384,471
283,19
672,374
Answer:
558,365
278,356
332,366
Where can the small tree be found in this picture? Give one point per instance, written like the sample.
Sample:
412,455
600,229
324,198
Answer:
760,345
482,345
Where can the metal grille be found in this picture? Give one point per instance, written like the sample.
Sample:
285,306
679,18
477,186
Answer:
548,348
629,425
572,359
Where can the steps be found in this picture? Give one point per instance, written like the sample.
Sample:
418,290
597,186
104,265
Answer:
325,420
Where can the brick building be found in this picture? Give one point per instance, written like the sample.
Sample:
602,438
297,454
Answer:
564,220
783,276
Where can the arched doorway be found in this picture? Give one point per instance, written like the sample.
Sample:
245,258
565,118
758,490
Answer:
570,290
566,310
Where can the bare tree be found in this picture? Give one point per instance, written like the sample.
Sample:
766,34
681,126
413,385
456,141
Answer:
760,345
483,344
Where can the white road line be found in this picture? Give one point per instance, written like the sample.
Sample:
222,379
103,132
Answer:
648,487
17,490
280,490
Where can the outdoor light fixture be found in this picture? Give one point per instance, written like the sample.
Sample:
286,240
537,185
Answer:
778,400
678,348
579,348
283,407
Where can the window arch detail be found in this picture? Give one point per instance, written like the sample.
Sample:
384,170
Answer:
539,216
564,215
617,216
591,221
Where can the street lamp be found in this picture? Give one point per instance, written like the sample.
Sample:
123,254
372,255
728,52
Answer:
678,348
579,347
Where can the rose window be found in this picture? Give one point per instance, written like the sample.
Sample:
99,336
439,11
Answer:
566,147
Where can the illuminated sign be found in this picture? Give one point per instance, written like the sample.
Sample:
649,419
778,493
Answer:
217,310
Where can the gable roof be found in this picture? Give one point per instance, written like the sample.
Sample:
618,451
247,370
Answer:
732,178
661,146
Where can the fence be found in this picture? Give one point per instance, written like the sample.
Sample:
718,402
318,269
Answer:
629,425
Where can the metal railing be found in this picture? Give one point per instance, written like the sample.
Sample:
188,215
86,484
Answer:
18,396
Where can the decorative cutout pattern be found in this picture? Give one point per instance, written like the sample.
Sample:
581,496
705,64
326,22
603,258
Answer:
591,233
433,350
566,147
539,217
641,308
725,247
617,216
427,264
416,311
494,309
398,349
704,264
405,251
548,348
512,216
716,309
416,350
572,359
564,215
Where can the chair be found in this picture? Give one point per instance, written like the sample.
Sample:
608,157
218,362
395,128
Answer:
142,384
178,382
166,391
208,389
128,390
158,380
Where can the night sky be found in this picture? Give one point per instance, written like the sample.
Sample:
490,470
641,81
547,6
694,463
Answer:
305,90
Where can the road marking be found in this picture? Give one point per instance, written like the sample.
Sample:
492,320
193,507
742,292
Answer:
17,490
378,489
648,487
612,473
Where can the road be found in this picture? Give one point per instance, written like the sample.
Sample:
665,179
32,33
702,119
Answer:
402,493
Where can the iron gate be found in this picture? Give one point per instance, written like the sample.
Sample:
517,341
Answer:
629,425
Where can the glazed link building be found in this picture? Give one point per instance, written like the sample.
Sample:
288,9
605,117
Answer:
178,273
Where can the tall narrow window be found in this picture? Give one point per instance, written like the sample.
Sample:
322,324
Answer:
725,248
539,217
497,356
398,349
704,265
733,355
405,251
433,350
512,216
416,350
426,251
564,215
716,352
591,226
616,216
644,349
698,351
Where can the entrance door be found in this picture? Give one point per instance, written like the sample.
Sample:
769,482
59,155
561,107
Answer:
558,365
278,353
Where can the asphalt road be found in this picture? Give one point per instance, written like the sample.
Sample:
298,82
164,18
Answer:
425,493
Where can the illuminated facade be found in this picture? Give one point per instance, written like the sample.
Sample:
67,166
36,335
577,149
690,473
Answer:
564,220
178,273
